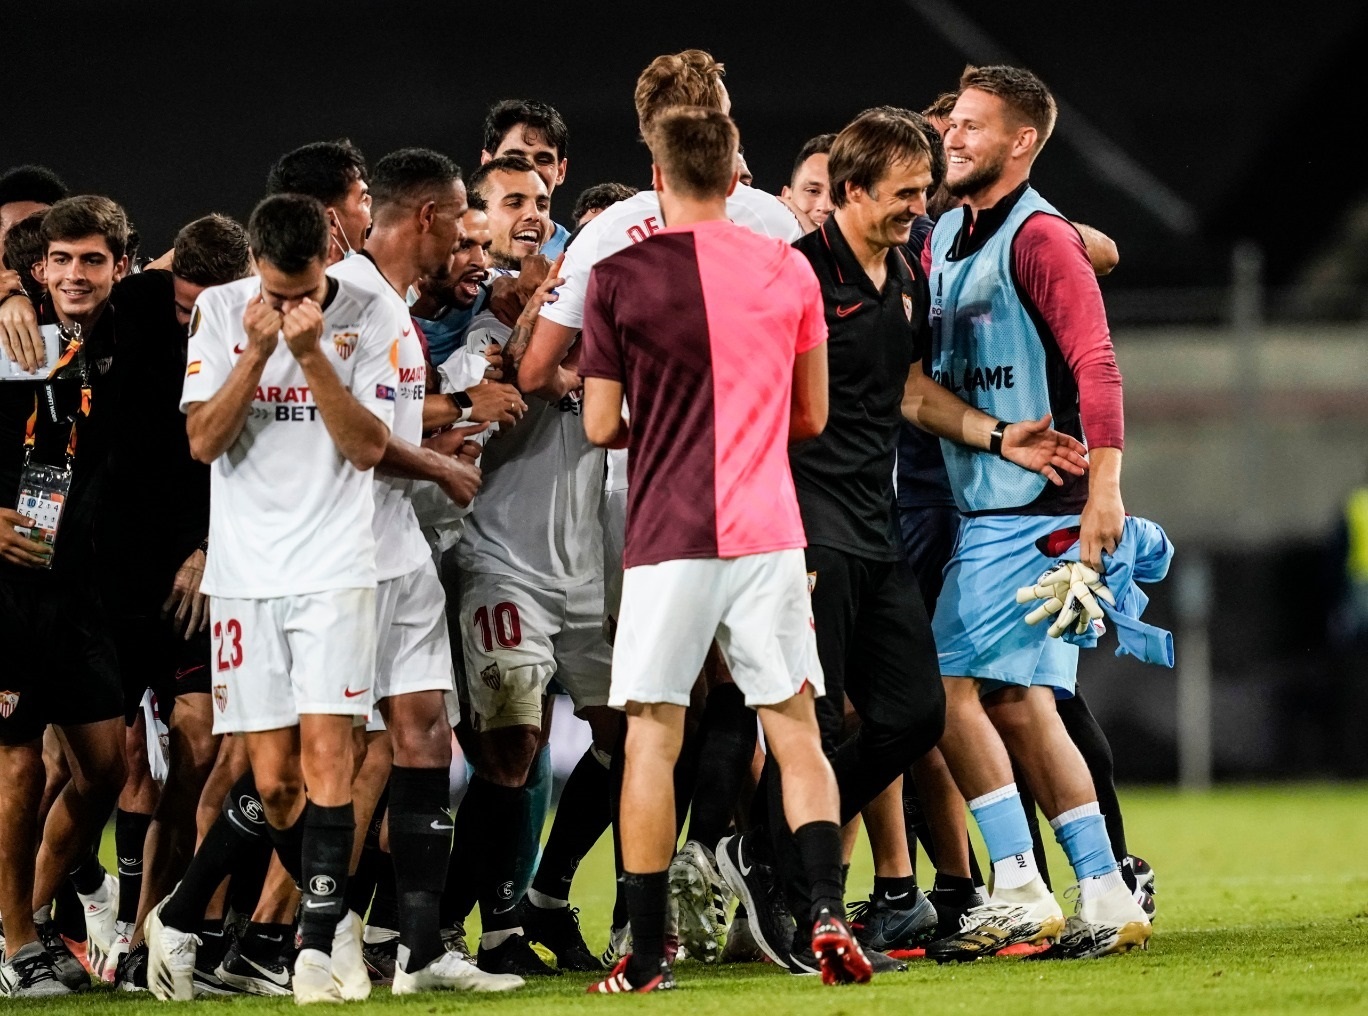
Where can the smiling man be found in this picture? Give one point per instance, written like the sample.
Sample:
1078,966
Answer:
60,669
518,205
536,132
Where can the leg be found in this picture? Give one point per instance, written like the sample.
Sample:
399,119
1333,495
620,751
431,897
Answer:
22,773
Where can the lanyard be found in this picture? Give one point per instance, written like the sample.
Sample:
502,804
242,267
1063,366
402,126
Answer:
73,351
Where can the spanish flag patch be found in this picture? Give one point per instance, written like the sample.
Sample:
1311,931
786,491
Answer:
193,367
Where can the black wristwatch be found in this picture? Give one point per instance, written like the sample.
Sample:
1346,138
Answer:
995,440
463,404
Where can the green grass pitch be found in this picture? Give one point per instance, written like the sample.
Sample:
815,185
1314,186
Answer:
1263,908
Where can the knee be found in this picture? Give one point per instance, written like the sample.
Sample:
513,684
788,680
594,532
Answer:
424,746
279,793
914,732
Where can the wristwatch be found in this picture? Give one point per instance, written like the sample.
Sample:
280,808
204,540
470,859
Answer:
995,440
463,403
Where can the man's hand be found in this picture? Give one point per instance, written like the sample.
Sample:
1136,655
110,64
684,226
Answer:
461,480
303,328
455,440
494,354
1035,445
19,335
186,603
263,324
508,296
18,549
496,402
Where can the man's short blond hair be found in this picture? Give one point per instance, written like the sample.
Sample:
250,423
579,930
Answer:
690,78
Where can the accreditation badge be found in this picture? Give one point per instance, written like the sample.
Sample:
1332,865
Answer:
43,491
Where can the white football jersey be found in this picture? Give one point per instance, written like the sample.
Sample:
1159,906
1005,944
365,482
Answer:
537,516
631,221
288,514
399,544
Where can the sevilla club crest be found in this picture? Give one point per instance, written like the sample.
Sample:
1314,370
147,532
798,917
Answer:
345,343
9,701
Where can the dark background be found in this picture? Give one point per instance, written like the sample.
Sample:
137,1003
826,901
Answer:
178,109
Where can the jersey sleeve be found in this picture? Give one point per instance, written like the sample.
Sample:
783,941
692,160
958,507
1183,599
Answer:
580,256
812,326
375,376
207,361
601,352
1051,263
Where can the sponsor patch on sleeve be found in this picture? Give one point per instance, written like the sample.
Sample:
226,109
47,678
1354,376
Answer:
384,392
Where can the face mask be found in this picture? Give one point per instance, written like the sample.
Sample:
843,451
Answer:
412,296
347,249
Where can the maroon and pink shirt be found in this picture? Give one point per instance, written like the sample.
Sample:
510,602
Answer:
701,325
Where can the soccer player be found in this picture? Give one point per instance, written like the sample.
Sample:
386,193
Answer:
289,396
599,198
417,199
809,188
60,669
688,78
725,561
537,133
1015,297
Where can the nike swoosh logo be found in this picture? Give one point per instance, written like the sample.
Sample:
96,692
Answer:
848,310
439,827
406,331
317,906
741,863
507,911
239,350
280,979
352,694
890,896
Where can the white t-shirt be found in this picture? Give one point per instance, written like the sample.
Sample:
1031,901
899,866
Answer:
537,515
399,544
288,515
631,221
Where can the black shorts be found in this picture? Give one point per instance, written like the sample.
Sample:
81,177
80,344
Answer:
152,654
59,662
928,541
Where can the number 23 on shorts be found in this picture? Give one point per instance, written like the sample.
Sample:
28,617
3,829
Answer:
498,625
228,644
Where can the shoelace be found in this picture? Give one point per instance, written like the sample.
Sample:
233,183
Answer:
34,969
985,912
857,912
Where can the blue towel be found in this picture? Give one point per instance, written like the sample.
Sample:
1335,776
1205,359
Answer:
1143,555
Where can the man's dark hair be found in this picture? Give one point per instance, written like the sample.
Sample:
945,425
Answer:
411,177
24,249
289,231
695,148
479,179
599,197
1023,92
211,251
820,145
941,106
87,215
870,145
324,170
504,116
31,183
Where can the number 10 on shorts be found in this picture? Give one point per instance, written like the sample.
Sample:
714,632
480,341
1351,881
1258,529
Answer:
499,625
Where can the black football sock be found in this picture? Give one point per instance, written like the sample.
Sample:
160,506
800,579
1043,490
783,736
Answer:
1096,750
726,747
326,855
384,912
954,888
88,875
420,827
685,773
263,943
582,815
897,893
289,847
647,903
493,807
247,876
130,833
467,854
819,845
68,913
239,825
361,884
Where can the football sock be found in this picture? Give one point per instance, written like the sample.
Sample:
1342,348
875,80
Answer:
88,875
68,913
130,833
536,804
325,857
647,901
467,855
819,846
582,815
1083,835
361,882
953,889
263,943
1096,750
384,911
1002,823
491,804
726,745
898,893
420,827
289,847
239,825
1028,808
247,874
